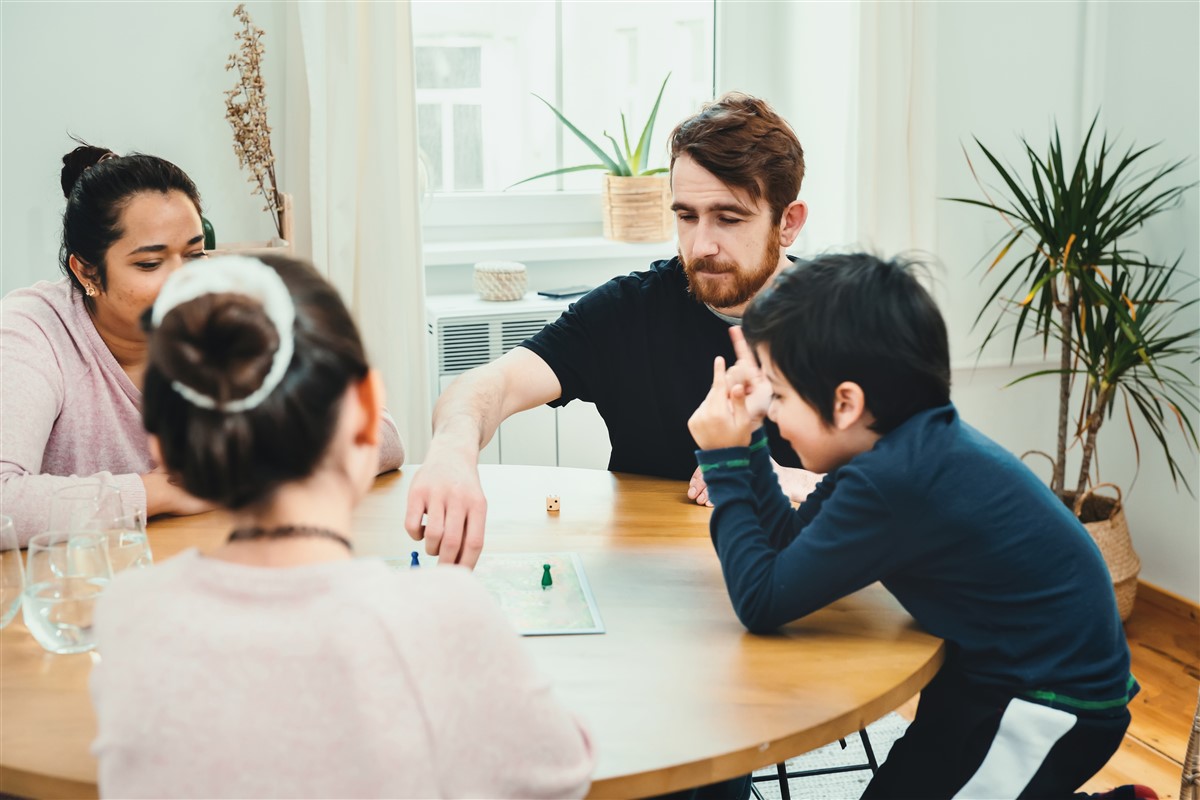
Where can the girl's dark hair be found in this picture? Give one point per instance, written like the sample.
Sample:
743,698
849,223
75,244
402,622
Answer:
744,143
860,319
98,184
221,345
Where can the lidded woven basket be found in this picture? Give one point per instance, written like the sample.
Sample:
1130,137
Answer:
500,280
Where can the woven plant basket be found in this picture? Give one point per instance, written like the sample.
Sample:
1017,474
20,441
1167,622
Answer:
638,209
500,280
1104,518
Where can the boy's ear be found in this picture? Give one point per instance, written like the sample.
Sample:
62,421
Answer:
849,405
369,394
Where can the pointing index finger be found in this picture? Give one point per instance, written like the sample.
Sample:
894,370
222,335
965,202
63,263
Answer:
741,347
719,374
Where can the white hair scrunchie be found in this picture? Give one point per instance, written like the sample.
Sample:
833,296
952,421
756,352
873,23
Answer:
234,275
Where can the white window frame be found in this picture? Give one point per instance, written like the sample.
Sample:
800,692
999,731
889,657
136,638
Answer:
562,225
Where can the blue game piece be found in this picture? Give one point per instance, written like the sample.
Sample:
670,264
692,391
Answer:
415,563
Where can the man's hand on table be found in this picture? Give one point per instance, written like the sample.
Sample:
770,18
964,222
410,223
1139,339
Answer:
796,483
698,489
446,492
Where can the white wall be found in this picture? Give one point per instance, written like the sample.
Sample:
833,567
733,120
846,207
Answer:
1001,70
127,76
1150,86
1138,62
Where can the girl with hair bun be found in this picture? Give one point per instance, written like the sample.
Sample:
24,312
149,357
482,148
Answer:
277,665
72,351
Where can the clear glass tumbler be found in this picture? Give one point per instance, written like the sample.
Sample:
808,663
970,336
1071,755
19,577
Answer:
84,506
12,571
65,573
128,545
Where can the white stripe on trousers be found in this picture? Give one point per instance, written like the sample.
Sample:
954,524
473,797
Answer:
1027,732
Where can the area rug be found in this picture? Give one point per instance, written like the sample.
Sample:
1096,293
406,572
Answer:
841,785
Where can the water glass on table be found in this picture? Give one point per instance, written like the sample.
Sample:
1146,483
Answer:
12,571
128,545
96,507
65,573
82,506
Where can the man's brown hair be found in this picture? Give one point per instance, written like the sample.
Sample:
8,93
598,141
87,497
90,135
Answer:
741,140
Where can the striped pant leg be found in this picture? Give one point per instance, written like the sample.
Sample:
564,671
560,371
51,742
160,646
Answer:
966,744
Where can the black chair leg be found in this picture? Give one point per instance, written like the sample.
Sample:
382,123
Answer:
784,776
866,743
784,790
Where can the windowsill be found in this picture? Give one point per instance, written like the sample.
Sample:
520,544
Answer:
576,248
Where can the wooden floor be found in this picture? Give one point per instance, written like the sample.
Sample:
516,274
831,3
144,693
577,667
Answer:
1164,638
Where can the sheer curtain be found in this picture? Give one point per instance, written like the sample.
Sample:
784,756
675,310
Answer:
855,80
896,168
353,130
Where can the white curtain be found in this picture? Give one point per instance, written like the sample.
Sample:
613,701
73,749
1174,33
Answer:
356,120
896,169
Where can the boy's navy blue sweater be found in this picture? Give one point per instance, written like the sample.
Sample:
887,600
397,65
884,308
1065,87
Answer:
976,548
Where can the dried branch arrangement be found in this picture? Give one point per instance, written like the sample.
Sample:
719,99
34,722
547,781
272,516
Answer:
246,110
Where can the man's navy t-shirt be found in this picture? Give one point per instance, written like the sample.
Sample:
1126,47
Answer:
641,348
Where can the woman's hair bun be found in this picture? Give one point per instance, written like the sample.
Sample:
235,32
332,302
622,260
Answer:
79,160
220,345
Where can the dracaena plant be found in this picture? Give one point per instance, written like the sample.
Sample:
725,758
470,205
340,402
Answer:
1064,274
625,160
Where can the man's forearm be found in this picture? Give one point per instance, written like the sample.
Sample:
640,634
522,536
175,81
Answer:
467,414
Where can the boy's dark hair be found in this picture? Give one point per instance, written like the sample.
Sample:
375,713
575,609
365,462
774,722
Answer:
855,318
221,345
744,143
98,184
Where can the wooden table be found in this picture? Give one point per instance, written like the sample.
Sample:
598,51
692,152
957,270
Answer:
676,693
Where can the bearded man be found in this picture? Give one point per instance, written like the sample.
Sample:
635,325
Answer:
641,347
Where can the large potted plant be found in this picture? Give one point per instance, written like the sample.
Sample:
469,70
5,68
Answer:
1070,279
636,197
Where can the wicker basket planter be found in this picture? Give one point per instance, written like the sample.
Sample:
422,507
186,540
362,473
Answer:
1191,761
638,209
1104,518
500,280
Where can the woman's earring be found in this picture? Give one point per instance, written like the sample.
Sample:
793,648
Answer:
90,290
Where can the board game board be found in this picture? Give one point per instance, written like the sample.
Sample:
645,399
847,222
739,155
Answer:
566,606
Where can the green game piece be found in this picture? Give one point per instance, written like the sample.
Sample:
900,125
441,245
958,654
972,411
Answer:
547,581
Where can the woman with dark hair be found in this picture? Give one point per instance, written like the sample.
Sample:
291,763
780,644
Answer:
72,352
277,665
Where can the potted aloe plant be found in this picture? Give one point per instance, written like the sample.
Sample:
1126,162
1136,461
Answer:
637,197
1065,274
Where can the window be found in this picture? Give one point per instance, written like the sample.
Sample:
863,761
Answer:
479,64
449,116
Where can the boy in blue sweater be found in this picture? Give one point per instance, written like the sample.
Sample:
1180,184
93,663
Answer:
855,370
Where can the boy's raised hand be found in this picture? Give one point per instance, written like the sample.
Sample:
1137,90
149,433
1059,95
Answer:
722,420
745,371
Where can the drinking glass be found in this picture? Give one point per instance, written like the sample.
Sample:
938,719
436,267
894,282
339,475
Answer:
128,545
12,571
64,576
83,506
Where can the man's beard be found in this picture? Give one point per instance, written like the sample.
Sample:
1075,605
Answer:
745,282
